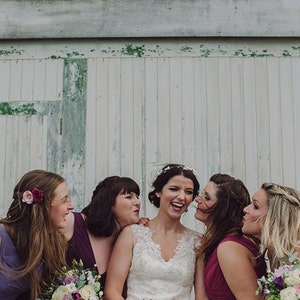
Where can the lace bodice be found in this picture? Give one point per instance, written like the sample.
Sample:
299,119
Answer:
153,278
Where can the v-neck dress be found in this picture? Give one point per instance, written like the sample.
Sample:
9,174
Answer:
80,247
151,277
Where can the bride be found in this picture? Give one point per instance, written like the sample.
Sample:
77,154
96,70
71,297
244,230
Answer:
159,260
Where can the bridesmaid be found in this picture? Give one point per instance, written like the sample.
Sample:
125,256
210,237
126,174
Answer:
91,234
274,218
231,261
32,250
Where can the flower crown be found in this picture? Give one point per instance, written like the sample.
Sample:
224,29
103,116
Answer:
34,196
182,167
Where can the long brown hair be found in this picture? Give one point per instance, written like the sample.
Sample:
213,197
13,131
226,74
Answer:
225,216
39,245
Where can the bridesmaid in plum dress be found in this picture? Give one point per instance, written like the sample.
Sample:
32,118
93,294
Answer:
232,261
91,234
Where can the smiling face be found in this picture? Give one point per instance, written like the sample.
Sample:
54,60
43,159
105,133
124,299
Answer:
127,208
205,201
255,214
60,206
176,195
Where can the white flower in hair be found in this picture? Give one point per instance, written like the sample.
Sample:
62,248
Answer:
178,166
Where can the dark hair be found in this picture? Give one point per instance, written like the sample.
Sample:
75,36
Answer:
167,172
100,220
225,217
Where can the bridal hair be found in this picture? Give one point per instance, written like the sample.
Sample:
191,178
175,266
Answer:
167,172
281,228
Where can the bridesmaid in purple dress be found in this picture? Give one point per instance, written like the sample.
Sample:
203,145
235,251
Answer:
91,234
232,261
32,250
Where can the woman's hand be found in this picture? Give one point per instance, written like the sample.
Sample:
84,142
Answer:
144,221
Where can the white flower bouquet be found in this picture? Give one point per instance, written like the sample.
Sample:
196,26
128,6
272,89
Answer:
284,282
76,284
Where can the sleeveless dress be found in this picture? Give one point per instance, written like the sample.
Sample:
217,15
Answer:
11,289
216,287
79,247
151,277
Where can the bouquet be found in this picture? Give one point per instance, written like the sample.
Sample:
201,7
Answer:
76,284
284,282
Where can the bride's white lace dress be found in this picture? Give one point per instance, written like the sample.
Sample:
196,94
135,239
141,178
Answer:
153,278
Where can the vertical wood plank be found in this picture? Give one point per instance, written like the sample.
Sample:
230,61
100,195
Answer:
296,103
4,80
73,129
126,116
262,113
11,170
114,112
275,121
15,80
92,103
213,116
287,116
3,163
163,111
151,128
53,79
102,132
27,80
188,112
226,130
200,116
139,165
251,151
176,110
23,150
239,141
39,87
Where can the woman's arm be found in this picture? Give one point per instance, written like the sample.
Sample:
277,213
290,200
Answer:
237,264
119,265
199,281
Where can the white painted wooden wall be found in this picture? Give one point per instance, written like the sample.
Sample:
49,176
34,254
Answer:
25,137
215,106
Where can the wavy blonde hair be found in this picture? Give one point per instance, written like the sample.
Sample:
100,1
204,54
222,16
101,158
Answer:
281,229
39,245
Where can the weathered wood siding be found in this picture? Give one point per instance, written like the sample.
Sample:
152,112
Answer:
104,108
30,112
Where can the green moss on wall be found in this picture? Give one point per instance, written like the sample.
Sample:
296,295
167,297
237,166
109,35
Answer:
8,108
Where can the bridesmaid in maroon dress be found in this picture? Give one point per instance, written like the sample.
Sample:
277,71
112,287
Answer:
91,234
231,261
274,218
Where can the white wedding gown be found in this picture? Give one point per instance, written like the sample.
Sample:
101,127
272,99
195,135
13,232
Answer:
151,277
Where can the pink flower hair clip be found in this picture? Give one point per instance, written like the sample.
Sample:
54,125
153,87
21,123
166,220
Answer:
33,196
